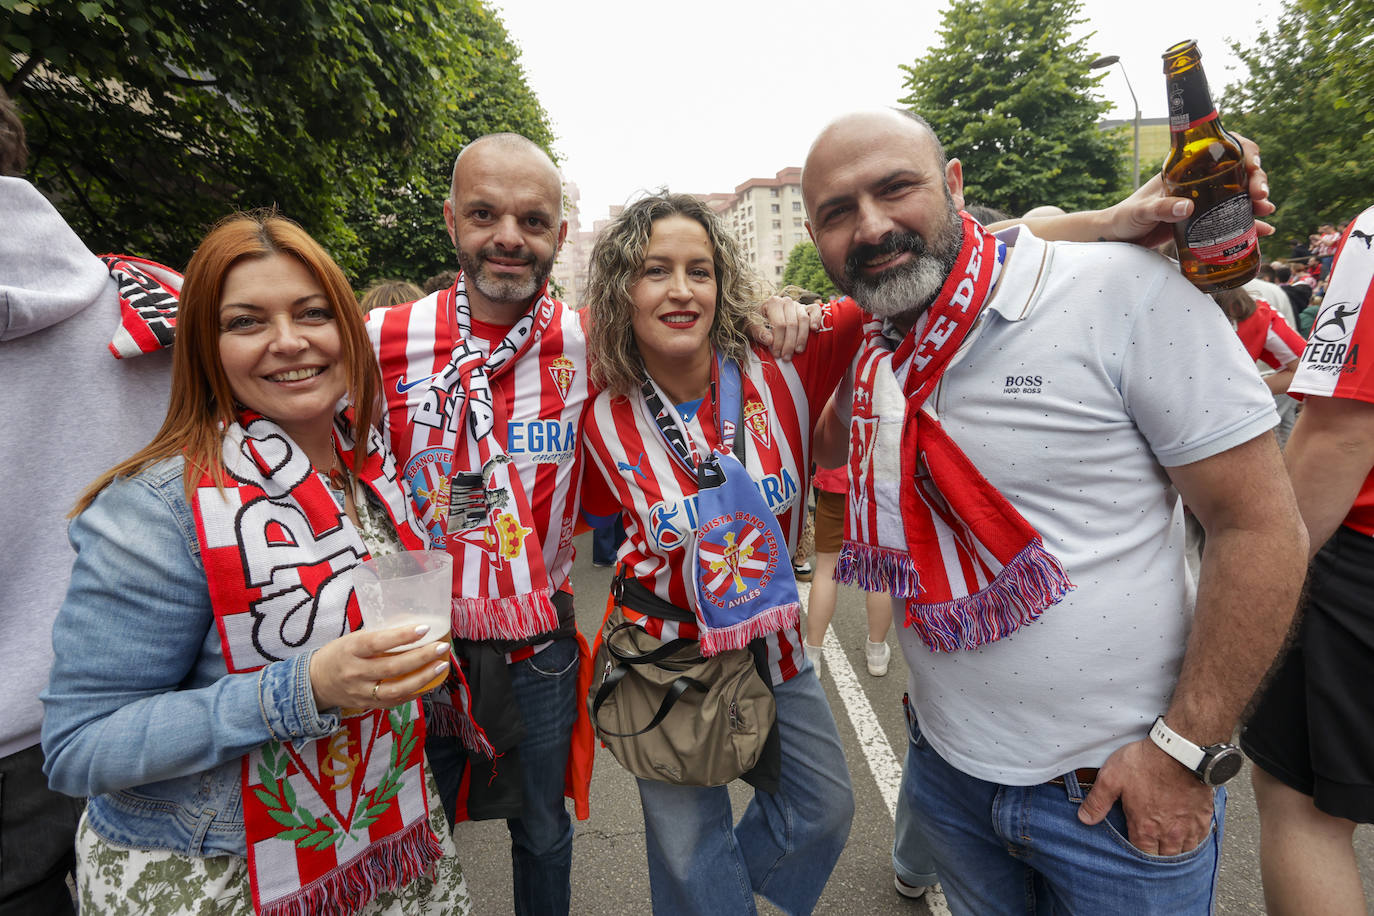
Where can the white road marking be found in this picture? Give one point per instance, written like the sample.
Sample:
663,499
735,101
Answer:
882,761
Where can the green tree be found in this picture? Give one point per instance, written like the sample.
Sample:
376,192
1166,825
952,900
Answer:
150,119
804,269
1307,98
1011,96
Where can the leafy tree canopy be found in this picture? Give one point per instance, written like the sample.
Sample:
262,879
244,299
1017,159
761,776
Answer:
150,119
804,269
1307,98
1012,97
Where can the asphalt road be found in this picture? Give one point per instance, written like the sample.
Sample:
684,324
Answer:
609,874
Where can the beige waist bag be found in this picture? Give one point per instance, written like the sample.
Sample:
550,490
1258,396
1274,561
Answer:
670,715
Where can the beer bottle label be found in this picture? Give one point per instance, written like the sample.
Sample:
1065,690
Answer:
1224,233
1190,104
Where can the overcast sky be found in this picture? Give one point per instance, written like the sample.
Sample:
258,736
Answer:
701,95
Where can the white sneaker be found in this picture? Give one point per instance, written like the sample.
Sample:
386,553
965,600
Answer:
910,891
814,653
877,654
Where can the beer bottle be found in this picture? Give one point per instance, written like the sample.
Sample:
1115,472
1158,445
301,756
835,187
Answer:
1217,245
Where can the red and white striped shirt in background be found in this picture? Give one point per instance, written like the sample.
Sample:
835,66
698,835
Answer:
1339,359
1268,338
546,392
629,467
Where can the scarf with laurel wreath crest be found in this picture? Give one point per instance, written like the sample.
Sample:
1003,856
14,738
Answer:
330,822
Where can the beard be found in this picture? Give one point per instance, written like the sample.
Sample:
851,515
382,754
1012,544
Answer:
499,290
909,287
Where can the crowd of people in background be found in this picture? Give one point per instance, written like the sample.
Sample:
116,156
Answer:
1003,456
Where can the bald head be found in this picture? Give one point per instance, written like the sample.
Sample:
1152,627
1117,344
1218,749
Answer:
493,148
882,207
889,127
505,217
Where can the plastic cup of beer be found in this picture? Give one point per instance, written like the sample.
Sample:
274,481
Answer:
408,588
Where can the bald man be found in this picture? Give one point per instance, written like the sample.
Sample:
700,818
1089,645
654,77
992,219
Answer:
1041,421
485,383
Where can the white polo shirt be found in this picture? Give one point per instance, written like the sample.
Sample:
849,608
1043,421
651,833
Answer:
1093,368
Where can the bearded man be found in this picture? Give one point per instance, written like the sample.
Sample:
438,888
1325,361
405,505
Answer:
1028,418
485,384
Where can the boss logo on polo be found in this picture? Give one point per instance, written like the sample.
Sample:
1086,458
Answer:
1023,384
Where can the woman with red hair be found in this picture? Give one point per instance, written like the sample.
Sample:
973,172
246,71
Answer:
241,740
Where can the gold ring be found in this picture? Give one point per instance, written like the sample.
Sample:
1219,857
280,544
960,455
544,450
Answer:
374,689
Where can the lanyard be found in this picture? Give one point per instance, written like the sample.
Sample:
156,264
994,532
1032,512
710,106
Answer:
724,397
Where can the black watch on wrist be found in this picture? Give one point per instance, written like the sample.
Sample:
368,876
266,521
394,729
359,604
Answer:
1214,764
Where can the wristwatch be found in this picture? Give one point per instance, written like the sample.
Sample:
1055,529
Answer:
1213,764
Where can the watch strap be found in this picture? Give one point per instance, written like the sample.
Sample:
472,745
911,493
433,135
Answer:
1177,746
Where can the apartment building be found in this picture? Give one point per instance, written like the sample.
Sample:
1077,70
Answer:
570,270
767,216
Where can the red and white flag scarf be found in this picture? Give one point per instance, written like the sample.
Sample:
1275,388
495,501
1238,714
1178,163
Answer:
330,822
489,527
922,523
148,303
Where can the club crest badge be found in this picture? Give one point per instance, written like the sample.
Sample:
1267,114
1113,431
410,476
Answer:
427,477
738,554
756,421
562,370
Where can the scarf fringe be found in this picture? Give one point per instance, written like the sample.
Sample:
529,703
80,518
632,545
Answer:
388,864
878,569
516,617
738,636
1031,582
443,717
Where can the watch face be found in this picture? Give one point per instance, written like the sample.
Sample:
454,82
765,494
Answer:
1223,766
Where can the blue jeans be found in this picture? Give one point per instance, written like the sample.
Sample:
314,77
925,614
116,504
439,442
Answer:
911,856
1021,849
785,845
541,838
37,829
606,543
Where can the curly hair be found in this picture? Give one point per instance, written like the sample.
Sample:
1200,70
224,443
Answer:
616,262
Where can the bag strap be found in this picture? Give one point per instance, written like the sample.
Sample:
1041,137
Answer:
647,658
628,592
681,685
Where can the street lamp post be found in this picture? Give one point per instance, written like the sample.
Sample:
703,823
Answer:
1107,61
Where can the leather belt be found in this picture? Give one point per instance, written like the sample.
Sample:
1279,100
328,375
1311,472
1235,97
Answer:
1086,776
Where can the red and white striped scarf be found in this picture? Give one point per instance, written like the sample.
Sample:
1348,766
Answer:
333,821
484,520
922,523
148,304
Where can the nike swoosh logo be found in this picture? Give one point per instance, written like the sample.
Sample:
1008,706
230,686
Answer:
403,386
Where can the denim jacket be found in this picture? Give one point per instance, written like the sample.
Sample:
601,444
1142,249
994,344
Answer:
140,712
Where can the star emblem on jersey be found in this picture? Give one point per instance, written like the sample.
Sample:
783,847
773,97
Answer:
562,371
756,421
738,555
